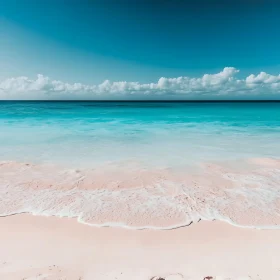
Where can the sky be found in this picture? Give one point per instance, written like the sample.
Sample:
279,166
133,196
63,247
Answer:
139,49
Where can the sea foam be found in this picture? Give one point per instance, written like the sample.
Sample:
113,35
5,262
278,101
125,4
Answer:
140,198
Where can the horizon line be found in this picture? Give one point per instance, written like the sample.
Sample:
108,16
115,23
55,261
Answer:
146,101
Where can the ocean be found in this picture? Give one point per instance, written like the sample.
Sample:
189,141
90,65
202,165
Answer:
142,164
160,133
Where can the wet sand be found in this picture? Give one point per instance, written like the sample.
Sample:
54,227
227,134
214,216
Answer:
241,193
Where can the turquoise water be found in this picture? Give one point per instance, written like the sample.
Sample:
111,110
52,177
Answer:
96,143
150,133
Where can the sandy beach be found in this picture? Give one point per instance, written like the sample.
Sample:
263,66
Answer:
50,248
64,239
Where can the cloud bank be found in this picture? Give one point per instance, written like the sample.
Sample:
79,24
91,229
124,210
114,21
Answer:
223,85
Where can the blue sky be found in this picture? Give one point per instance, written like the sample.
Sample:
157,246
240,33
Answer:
141,41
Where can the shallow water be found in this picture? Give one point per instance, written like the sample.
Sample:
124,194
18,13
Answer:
152,133
131,164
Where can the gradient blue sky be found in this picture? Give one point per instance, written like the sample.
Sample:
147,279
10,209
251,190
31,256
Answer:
91,41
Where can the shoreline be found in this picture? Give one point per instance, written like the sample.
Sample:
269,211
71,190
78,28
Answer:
142,198
123,226
51,248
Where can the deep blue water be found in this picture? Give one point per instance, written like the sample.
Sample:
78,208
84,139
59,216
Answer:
157,133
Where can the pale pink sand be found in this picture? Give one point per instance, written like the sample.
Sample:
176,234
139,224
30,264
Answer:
33,247
140,198
137,197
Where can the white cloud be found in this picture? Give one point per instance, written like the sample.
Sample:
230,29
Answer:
224,84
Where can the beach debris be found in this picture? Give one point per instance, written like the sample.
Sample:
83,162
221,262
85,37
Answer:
175,276
208,278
